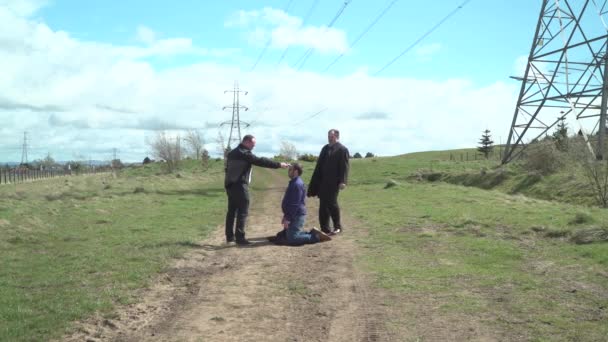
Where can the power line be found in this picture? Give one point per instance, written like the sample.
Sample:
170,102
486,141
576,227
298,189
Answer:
269,40
308,52
423,36
312,116
367,29
304,22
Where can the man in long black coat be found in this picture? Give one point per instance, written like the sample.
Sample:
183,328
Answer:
330,176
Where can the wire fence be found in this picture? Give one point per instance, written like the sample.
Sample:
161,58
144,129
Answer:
473,156
23,175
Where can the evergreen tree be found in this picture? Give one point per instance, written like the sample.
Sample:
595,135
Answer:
560,136
485,143
357,155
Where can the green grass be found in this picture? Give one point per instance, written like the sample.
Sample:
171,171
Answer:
490,256
72,246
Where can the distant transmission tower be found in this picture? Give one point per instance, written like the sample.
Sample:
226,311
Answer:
24,150
566,76
235,124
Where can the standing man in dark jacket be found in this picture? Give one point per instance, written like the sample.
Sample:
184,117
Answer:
236,182
330,176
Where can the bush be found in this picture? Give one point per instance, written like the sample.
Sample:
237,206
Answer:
590,235
542,157
595,171
391,183
308,157
205,159
581,217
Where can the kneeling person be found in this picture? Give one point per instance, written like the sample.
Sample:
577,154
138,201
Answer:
294,211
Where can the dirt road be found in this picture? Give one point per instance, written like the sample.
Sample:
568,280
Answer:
264,292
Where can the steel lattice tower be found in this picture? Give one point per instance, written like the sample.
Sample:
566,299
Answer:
24,150
565,77
235,123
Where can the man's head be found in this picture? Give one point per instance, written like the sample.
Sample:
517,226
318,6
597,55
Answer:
333,136
294,170
248,141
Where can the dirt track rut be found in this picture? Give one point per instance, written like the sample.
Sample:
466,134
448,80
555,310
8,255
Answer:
220,292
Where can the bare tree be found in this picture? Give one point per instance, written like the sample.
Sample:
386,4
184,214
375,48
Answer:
205,159
288,150
222,149
167,149
595,171
196,143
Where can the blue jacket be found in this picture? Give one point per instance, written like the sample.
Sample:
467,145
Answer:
294,199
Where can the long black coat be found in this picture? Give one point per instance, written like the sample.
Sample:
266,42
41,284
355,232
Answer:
331,170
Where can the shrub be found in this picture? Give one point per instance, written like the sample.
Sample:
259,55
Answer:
581,217
308,157
542,157
595,171
391,183
590,235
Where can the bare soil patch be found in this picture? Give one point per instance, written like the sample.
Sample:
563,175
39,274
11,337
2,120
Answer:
220,292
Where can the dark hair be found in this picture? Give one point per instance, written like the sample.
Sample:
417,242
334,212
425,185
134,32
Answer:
336,132
247,138
297,167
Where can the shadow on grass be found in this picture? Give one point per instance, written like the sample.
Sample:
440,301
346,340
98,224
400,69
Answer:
529,180
255,242
214,192
82,196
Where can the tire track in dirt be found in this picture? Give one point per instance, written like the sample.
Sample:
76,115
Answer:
220,292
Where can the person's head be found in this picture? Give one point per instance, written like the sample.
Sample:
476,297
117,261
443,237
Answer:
333,136
248,141
294,170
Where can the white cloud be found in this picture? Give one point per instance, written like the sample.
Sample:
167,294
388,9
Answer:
23,8
145,35
284,31
86,98
519,67
323,39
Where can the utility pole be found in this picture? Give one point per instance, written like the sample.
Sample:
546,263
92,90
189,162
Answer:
566,73
24,150
114,151
235,123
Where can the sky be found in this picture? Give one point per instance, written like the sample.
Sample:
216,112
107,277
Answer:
83,78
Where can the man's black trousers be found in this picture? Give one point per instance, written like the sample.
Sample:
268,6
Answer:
238,207
328,207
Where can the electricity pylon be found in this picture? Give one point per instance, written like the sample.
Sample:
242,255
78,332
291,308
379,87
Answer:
24,150
235,124
566,76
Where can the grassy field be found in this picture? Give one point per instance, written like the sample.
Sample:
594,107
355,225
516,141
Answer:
567,184
506,261
454,255
75,245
